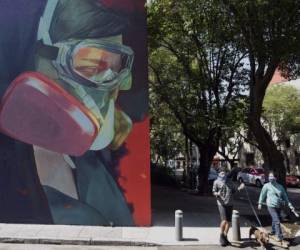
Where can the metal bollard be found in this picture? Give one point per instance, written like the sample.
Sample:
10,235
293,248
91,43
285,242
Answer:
236,232
178,225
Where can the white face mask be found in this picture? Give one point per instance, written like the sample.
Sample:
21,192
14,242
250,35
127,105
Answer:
106,75
272,178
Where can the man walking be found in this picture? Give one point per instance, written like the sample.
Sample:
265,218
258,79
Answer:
223,190
276,197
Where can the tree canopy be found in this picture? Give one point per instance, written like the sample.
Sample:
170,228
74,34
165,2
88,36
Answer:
167,140
197,71
281,111
207,54
269,32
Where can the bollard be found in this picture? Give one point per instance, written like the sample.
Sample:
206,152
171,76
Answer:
236,232
178,225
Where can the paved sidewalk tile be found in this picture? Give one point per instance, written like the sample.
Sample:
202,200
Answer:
133,233
115,233
29,231
95,232
9,230
69,232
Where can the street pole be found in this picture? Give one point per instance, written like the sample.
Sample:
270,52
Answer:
178,224
236,232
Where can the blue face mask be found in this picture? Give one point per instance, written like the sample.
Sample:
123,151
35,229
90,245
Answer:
272,179
222,177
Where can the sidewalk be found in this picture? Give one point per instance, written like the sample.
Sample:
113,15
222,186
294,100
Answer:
201,221
79,235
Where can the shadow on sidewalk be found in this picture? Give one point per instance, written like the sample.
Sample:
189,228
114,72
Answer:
246,243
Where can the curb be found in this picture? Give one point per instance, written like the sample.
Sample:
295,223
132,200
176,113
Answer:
76,242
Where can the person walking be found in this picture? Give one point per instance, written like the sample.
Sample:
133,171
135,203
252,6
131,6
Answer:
276,198
223,190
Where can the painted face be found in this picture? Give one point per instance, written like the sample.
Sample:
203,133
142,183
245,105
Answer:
67,104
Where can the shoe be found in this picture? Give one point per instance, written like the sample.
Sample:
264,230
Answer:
223,241
227,241
276,238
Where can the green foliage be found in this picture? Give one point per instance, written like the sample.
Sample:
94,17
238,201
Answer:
269,32
195,69
166,136
282,110
205,55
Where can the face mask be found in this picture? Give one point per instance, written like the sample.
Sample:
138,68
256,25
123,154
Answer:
36,110
39,111
107,74
272,179
222,177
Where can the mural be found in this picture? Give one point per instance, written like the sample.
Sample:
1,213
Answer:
73,114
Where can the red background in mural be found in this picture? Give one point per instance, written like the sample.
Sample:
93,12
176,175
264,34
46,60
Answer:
135,165
137,183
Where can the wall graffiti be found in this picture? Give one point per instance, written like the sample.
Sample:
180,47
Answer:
74,124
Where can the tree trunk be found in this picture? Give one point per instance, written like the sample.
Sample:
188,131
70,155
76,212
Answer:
188,163
207,154
273,158
287,160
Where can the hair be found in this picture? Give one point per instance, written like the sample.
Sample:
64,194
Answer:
271,172
222,169
82,19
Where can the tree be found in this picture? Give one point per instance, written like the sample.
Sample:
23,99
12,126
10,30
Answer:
197,71
281,111
167,140
281,115
269,32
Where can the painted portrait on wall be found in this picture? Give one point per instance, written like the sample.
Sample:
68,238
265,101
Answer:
73,114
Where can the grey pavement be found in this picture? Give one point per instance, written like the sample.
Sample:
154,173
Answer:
72,247
68,247
201,221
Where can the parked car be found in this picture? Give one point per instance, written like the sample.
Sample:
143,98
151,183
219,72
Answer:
292,180
254,176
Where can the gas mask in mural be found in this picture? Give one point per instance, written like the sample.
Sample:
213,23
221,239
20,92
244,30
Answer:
64,66
67,105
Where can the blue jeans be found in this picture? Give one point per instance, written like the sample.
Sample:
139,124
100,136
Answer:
275,214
